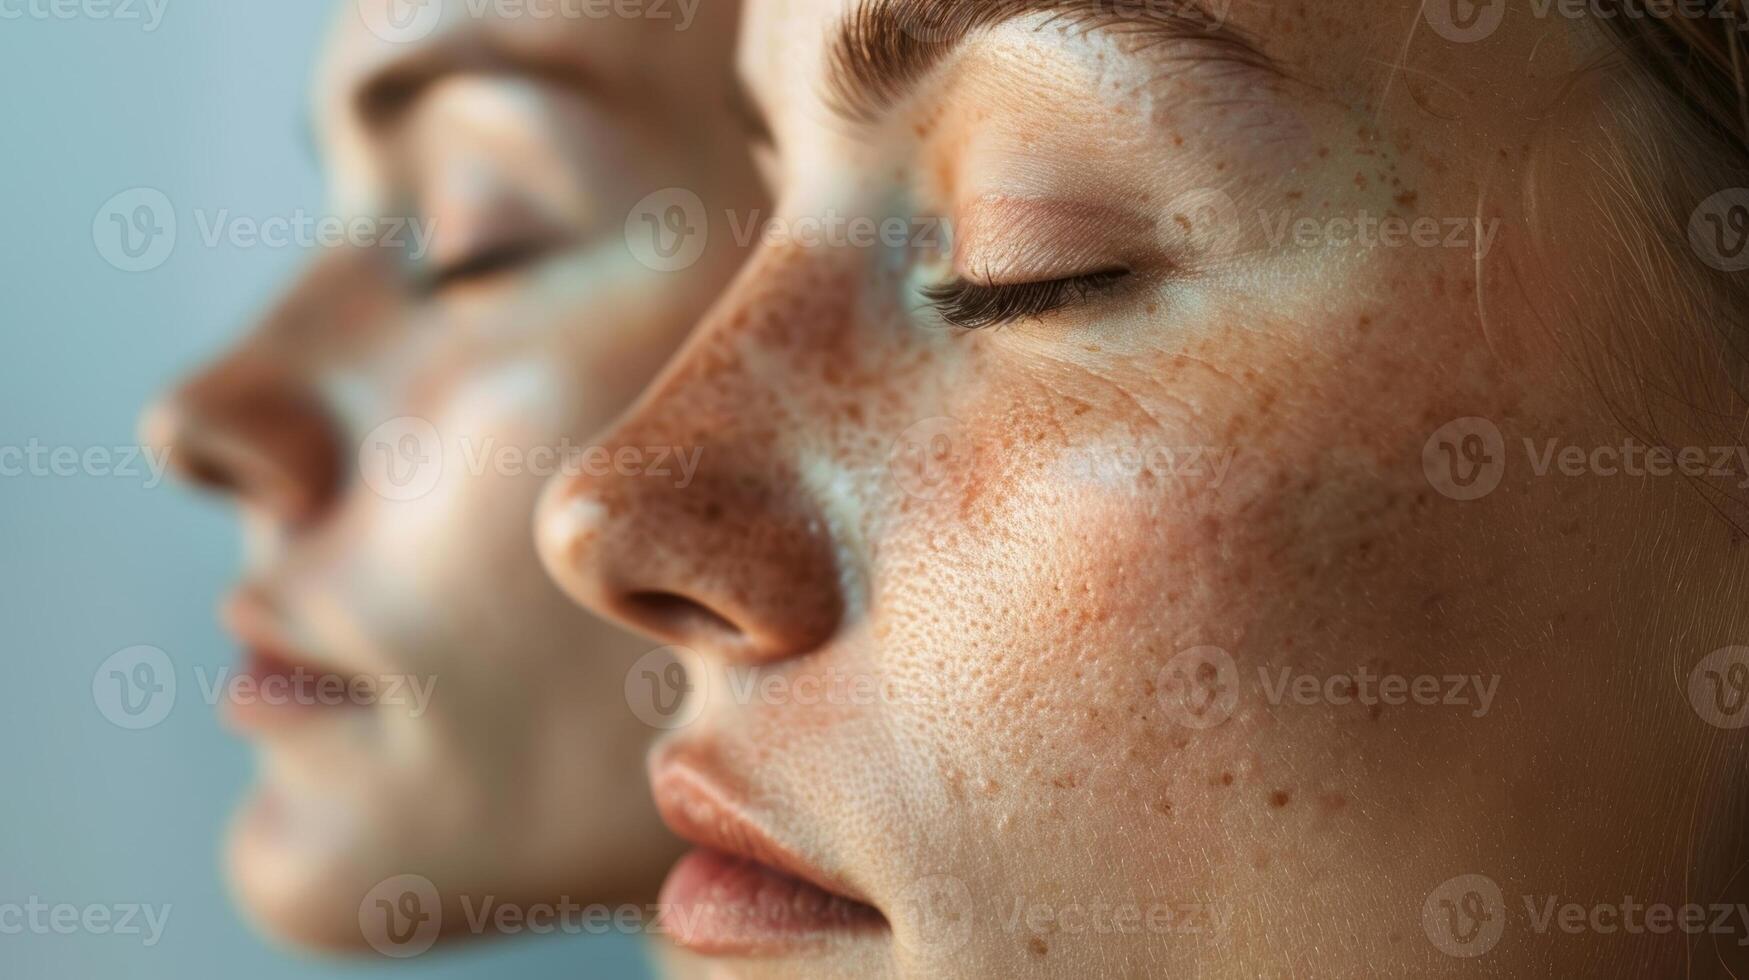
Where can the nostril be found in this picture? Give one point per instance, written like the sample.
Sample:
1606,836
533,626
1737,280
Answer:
677,616
206,475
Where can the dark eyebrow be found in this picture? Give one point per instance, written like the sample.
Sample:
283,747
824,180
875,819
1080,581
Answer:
390,91
883,48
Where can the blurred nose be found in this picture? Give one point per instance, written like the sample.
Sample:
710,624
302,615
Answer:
246,430
253,424
739,561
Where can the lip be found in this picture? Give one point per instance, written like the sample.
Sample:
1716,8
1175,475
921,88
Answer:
277,686
742,892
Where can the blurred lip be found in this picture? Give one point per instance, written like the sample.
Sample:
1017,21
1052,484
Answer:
284,679
742,892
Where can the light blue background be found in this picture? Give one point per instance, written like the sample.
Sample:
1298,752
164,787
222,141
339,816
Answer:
209,108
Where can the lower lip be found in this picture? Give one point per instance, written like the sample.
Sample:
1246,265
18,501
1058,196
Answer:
270,693
721,905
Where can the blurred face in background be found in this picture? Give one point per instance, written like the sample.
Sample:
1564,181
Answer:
1066,592
385,432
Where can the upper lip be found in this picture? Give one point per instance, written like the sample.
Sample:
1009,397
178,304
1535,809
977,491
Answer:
248,615
699,809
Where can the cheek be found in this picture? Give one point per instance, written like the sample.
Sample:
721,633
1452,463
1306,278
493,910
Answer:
1261,491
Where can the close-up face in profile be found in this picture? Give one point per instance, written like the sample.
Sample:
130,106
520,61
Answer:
424,701
1209,539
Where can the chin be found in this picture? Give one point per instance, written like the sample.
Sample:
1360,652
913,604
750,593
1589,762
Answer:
297,882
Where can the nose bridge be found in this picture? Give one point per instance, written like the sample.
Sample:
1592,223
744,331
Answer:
254,422
736,557
761,357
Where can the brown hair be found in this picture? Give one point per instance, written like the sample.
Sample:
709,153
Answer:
1694,50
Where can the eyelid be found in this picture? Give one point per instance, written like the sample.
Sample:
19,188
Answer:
1007,239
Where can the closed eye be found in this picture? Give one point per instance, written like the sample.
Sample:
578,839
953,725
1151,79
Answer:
489,262
974,306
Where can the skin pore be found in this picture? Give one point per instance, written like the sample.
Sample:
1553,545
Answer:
1034,779
517,147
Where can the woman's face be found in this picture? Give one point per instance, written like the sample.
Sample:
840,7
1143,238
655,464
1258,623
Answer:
386,432
1117,589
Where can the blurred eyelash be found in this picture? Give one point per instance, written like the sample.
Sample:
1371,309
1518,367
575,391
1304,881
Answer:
487,263
975,306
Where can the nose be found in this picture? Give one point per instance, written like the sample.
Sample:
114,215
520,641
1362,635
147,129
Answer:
254,426
246,431
739,561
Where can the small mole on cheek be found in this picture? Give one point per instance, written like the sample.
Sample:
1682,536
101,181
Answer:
1226,779
1278,799
1038,947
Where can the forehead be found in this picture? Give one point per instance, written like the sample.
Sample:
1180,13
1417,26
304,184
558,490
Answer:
782,45
646,45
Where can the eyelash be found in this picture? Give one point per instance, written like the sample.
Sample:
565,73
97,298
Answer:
976,306
488,263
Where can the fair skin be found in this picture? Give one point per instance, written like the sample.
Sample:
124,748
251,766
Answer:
1018,603
521,147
